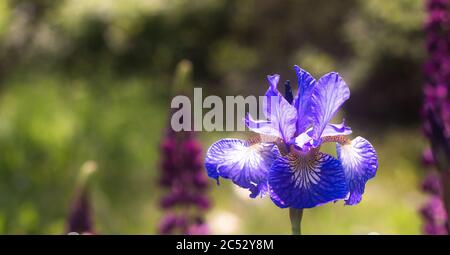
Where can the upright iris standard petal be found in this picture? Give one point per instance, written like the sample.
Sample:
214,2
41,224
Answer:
246,164
273,81
272,91
282,119
329,94
306,181
302,102
360,164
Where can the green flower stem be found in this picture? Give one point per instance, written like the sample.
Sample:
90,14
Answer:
296,220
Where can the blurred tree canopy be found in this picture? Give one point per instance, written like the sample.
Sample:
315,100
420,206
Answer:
88,80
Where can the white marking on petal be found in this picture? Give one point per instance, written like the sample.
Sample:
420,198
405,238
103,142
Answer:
350,158
357,157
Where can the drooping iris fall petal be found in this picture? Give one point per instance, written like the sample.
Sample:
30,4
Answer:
246,164
360,164
303,182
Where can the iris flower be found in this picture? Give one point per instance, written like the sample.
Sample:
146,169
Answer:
284,160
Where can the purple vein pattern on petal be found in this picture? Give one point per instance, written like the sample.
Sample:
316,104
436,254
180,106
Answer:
305,183
247,165
329,94
302,101
360,164
284,117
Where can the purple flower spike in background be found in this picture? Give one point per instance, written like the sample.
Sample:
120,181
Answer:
185,181
183,177
285,160
436,117
80,218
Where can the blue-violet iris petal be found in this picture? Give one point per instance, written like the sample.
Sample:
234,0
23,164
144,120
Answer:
302,102
360,164
302,182
246,164
329,94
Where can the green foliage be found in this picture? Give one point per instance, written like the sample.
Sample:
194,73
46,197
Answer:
51,125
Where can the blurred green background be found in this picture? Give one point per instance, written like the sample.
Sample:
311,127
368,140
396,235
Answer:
90,80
